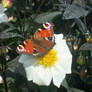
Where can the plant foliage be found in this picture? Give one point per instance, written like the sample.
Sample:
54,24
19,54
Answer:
73,18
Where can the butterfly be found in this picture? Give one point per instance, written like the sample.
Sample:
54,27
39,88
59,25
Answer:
40,43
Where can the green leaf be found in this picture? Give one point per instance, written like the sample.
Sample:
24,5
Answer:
74,11
81,25
9,29
12,65
65,84
86,46
44,17
75,90
90,1
16,67
43,88
10,79
7,35
79,2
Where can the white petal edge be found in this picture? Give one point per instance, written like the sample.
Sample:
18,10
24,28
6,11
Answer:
64,54
2,9
58,75
3,18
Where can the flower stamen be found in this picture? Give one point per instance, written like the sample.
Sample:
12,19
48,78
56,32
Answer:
49,59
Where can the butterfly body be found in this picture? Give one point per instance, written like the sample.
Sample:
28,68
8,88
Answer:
39,43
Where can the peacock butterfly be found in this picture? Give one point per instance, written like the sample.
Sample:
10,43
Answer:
39,43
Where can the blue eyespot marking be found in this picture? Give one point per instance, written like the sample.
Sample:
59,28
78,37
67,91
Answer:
49,38
35,51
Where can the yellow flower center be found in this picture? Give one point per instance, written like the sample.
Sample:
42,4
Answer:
49,59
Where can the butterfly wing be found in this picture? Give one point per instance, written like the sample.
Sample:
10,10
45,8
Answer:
43,46
40,43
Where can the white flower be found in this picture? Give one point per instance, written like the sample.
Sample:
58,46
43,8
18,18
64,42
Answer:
1,79
46,69
3,16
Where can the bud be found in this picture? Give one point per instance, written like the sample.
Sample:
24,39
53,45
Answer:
1,80
75,47
83,73
7,3
89,40
10,18
1,51
81,60
69,39
76,44
7,57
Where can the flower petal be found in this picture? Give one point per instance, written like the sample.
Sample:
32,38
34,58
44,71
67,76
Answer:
3,18
58,74
66,62
2,9
28,60
64,55
35,72
39,75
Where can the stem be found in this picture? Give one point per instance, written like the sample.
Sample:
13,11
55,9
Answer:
38,10
89,68
67,26
4,75
5,82
71,1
